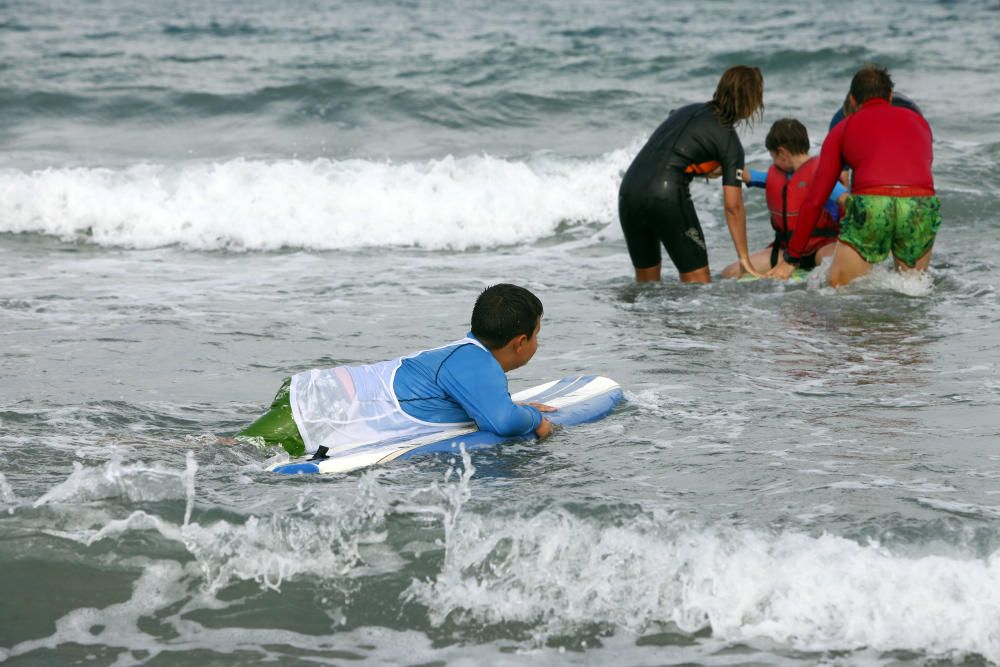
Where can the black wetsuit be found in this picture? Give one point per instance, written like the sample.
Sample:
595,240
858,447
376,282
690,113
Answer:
898,100
654,201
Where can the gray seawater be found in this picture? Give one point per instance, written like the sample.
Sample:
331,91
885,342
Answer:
196,202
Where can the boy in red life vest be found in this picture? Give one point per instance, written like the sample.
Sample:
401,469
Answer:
893,208
786,183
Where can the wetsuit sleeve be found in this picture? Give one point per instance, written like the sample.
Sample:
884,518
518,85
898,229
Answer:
475,381
830,164
732,159
758,179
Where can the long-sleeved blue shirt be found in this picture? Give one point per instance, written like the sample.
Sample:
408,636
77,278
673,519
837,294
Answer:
460,382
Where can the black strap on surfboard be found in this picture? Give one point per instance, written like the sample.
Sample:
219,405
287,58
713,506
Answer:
320,454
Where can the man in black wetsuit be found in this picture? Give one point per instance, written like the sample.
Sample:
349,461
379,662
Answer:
654,201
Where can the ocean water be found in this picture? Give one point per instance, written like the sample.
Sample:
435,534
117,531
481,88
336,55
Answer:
198,200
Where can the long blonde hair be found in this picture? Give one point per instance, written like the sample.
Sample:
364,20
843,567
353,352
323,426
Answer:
739,95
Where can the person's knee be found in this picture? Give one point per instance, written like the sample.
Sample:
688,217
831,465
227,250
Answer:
701,275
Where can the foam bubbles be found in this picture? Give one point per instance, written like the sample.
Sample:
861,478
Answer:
447,203
551,571
8,499
883,277
322,534
908,283
135,482
558,572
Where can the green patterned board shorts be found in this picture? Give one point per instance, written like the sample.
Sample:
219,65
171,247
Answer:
874,225
277,426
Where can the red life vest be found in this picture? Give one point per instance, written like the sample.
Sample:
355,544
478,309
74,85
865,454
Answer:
785,195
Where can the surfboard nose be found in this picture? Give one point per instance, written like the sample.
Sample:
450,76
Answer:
297,469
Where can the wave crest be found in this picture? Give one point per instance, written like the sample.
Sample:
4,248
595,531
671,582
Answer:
451,203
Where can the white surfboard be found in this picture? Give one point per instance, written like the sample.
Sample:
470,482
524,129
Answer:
579,399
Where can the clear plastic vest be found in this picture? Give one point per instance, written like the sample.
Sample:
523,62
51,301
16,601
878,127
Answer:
352,406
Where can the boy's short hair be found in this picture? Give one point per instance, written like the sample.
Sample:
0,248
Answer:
871,81
502,312
789,133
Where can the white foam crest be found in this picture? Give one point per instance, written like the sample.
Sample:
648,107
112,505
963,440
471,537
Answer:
559,572
884,277
326,536
447,203
164,585
8,499
881,278
967,509
162,592
269,550
117,625
136,482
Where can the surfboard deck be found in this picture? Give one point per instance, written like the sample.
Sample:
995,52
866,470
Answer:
579,399
798,275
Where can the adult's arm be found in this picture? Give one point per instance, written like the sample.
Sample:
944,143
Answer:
736,219
473,378
830,164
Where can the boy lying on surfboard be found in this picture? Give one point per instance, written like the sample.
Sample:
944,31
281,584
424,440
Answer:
455,385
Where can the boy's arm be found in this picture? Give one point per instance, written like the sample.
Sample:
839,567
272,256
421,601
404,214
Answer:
474,379
832,205
754,179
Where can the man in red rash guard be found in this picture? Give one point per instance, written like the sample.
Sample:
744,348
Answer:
892,207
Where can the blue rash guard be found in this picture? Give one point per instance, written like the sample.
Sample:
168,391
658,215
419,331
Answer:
460,382
758,179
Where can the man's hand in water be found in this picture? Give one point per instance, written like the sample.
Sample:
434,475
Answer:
782,270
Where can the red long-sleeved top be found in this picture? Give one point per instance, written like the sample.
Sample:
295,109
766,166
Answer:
890,152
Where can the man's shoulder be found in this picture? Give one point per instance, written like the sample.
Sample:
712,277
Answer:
901,120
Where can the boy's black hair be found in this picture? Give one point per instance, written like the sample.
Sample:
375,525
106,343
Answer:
789,133
502,312
870,82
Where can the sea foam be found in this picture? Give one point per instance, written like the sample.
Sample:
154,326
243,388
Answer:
559,573
449,203
555,572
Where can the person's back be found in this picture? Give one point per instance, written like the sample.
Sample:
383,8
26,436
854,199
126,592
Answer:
654,200
893,208
689,136
460,383
887,146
